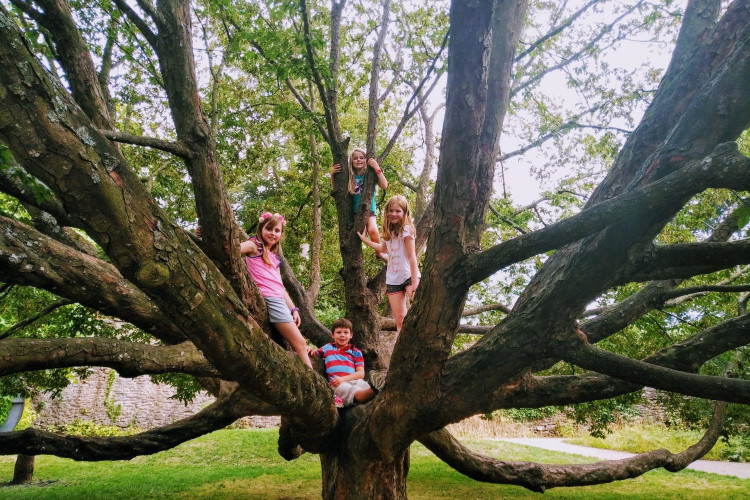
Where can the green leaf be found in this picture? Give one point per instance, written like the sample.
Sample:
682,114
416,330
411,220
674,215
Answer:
743,217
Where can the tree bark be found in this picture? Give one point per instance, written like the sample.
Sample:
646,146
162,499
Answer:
23,472
354,477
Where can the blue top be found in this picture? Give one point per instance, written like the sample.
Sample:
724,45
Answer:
359,183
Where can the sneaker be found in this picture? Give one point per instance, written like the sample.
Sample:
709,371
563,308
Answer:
338,402
376,379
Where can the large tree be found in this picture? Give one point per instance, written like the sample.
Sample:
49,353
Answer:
195,298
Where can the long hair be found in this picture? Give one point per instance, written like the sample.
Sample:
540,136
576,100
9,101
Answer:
351,169
393,230
270,220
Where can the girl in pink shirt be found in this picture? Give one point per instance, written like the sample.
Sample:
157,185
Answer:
262,251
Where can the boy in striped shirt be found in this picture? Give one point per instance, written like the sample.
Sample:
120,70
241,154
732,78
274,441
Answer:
345,365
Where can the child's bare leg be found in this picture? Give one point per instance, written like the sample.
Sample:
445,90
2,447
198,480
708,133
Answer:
398,307
363,395
291,334
372,230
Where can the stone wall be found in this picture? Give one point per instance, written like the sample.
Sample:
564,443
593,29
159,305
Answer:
143,404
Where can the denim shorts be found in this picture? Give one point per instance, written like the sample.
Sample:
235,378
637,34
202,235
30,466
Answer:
391,289
278,311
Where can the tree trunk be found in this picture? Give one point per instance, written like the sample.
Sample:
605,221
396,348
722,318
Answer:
24,470
348,475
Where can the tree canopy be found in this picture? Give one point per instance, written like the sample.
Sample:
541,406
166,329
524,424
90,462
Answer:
123,126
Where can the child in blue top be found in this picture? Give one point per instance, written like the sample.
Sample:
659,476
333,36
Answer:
358,164
345,365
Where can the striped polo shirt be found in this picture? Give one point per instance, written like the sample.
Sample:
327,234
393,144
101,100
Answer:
340,362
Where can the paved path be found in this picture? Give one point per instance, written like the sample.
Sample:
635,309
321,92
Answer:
739,470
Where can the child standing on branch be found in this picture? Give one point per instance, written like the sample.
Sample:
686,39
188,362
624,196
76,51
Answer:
402,273
358,164
262,251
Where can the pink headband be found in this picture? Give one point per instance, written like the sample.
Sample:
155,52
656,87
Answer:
266,215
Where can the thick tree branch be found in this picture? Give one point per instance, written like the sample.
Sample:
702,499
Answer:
687,355
221,236
152,12
130,359
75,58
540,477
483,38
489,307
638,372
681,295
688,90
26,7
688,259
724,161
174,148
36,442
31,258
10,184
656,294
698,21
47,224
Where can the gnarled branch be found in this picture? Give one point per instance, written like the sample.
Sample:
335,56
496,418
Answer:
643,373
712,171
37,442
130,359
689,259
539,477
28,257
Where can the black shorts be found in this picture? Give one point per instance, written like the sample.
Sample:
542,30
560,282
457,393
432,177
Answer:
390,289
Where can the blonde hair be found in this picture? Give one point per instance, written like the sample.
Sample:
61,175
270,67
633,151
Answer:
269,220
351,169
392,230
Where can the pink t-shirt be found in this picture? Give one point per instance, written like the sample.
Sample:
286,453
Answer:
268,278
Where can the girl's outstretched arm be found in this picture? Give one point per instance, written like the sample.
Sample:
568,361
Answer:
378,247
411,256
249,247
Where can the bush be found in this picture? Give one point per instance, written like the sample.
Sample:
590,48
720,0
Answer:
88,429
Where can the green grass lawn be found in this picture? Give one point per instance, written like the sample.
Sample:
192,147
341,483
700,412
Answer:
244,464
